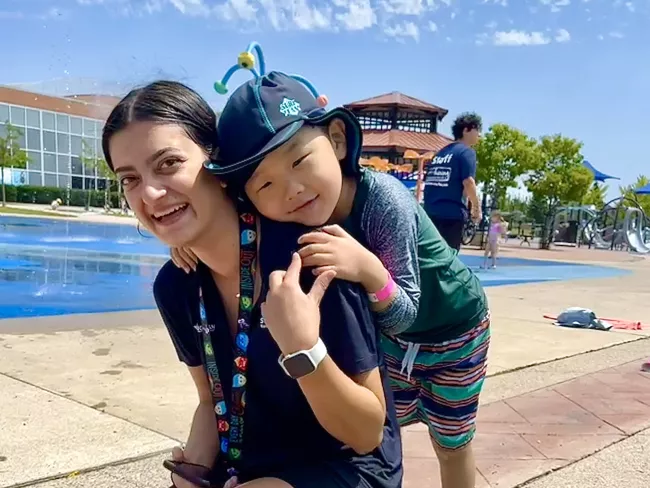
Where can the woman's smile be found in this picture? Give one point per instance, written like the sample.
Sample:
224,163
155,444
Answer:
170,215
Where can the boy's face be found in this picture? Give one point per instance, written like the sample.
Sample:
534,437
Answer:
301,180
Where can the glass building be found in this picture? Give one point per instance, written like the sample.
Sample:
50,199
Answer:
55,133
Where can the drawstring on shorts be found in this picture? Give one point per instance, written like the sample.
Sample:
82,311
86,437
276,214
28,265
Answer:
409,359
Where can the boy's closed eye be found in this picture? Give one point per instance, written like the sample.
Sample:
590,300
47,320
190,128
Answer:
299,160
293,165
265,185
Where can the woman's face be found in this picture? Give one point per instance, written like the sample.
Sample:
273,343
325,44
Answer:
161,171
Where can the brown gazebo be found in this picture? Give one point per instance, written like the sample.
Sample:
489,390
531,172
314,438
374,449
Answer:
400,134
394,123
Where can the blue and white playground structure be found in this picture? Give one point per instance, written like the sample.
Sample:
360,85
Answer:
607,228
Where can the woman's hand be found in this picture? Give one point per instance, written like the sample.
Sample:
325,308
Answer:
179,456
184,258
333,249
292,317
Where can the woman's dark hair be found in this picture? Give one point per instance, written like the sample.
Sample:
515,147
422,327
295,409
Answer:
466,121
166,102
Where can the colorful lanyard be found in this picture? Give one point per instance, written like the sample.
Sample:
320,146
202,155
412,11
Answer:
231,428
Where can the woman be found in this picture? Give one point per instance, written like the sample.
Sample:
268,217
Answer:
292,399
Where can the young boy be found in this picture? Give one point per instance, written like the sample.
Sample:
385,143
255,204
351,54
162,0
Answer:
298,163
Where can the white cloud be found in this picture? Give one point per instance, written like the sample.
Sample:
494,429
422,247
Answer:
398,19
404,7
358,14
237,10
519,38
403,31
522,38
562,35
130,7
307,17
616,35
192,7
153,6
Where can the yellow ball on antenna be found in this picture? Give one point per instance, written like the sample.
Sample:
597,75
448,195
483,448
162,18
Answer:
246,60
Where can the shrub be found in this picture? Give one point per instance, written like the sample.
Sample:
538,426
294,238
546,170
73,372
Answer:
45,195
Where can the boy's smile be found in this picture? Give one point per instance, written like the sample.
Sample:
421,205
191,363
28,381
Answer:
300,181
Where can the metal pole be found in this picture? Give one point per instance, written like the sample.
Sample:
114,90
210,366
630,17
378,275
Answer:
614,231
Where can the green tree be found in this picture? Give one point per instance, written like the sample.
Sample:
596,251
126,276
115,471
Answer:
99,166
514,204
595,195
559,178
504,154
628,192
11,155
537,210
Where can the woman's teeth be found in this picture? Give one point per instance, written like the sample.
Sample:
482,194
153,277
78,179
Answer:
169,212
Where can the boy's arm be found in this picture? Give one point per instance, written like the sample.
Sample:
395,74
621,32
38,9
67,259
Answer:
389,222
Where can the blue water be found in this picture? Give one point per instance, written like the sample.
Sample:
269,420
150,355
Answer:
57,267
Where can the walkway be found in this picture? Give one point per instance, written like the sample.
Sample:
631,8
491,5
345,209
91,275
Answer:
529,435
98,400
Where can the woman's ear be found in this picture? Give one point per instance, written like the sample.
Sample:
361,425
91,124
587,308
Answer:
336,133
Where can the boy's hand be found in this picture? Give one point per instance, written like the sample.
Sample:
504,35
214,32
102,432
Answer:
331,248
184,258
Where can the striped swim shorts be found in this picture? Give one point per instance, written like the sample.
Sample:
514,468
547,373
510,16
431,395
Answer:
439,384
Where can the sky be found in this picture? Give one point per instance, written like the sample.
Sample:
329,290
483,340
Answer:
576,67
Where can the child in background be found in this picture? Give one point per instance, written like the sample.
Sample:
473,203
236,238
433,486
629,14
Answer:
298,163
498,229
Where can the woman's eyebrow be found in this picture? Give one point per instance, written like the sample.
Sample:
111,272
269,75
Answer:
160,152
124,169
150,159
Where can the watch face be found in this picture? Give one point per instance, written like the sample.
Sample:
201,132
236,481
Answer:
299,366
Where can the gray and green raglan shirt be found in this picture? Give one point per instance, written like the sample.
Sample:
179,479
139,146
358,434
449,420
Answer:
438,298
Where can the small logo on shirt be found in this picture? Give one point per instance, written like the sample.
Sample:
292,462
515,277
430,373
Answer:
442,159
438,177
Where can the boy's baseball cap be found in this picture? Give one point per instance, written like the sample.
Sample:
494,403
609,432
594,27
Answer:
266,112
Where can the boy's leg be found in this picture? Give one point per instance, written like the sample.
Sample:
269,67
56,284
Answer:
405,390
449,400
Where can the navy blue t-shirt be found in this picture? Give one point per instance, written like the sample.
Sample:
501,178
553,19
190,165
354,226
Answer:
280,429
443,181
